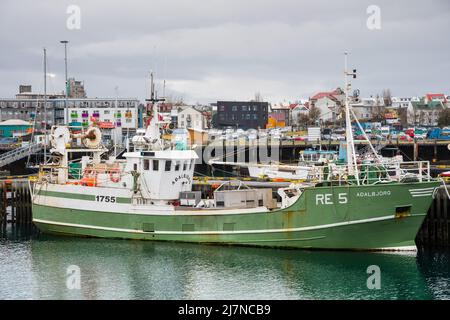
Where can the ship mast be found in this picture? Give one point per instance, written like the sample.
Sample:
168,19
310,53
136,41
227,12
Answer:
152,131
351,153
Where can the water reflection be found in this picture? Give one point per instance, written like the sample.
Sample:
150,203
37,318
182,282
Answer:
116,269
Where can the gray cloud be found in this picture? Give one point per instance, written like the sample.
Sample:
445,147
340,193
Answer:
209,50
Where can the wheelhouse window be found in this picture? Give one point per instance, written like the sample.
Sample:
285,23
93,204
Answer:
168,165
155,165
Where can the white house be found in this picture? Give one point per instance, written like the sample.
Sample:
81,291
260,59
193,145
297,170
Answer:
328,103
189,117
329,108
425,113
365,107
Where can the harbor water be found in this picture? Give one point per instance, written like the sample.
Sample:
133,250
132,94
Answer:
38,266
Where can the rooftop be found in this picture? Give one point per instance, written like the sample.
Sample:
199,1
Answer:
15,122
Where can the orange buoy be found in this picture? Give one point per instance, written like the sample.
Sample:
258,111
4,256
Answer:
89,181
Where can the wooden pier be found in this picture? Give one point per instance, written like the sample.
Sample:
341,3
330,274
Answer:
15,201
435,230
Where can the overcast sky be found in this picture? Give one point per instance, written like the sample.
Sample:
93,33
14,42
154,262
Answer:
209,50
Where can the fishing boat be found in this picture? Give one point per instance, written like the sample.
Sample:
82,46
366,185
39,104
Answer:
148,196
276,171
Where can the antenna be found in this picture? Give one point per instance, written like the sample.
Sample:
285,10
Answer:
115,116
153,93
45,105
351,153
164,89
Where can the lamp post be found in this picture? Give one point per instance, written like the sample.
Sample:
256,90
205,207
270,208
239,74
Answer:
66,112
45,105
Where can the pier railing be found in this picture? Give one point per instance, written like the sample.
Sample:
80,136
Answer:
17,154
371,173
89,176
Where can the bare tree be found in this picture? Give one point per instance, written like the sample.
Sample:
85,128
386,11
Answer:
303,120
403,116
314,114
176,101
444,118
258,97
378,110
387,97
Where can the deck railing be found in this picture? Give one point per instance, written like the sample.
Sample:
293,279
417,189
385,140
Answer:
371,173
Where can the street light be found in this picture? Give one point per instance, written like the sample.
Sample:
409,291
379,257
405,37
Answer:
66,113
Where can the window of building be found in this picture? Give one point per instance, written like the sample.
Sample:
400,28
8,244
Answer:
247,116
221,108
255,117
146,164
255,108
106,112
177,166
168,165
155,165
184,166
234,108
244,108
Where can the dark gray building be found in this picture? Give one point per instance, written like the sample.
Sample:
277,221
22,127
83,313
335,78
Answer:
242,114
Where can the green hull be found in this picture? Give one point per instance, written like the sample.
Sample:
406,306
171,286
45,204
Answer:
377,217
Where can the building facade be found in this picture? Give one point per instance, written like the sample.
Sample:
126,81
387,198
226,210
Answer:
103,112
424,112
31,110
281,115
75,89
86,111
242,114
191,118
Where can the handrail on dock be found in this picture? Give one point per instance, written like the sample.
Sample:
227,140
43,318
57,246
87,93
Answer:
19,153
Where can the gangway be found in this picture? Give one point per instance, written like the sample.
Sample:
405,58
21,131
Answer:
19,153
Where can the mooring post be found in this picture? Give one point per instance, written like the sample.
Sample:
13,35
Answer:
2,204
416,149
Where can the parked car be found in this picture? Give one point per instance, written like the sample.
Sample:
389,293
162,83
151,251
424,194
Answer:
401,136
337,137
439,134
326,134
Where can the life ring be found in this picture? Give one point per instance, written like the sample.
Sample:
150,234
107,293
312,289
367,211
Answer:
114,175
